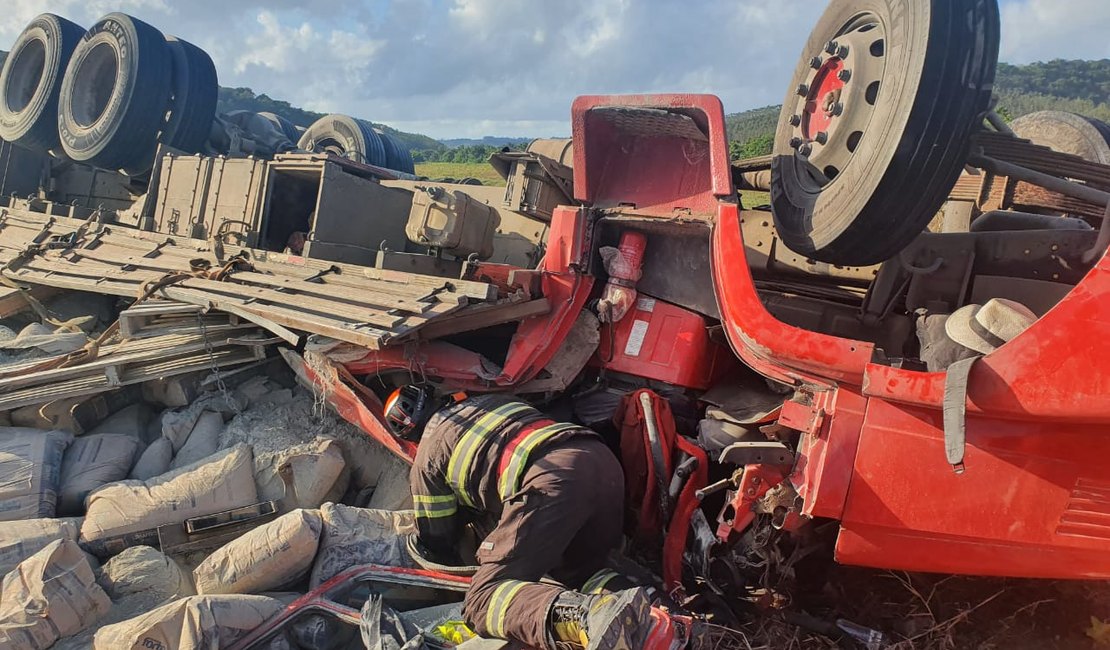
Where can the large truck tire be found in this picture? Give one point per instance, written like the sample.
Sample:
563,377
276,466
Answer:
31,81
345,136
285,126
877,124
397,157
1083,136
115,95
195,92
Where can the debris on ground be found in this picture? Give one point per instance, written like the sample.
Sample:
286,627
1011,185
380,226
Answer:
201,315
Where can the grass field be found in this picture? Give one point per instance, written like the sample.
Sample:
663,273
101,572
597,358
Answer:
459,171
750,199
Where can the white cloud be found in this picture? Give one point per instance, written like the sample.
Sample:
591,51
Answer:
512,67
1040,30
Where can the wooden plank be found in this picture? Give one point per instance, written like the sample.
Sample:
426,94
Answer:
480,316
365,336
326,308
152,349
14,301
288,265
100,384
388,295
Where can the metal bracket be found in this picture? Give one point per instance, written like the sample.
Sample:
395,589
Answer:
757,453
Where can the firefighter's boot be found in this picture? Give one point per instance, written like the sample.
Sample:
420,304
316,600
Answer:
615,621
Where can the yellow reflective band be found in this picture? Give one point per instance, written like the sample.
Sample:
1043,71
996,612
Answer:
422,498
462,458
499,605
509,482
596,583
434,507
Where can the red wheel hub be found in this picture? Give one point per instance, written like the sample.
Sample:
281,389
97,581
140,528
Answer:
823,100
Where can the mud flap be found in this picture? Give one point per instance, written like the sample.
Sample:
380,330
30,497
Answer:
955,412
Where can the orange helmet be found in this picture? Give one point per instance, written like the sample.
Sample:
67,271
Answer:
407,411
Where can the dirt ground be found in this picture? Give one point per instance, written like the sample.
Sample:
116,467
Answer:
938,612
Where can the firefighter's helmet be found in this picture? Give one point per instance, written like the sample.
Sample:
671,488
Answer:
407,411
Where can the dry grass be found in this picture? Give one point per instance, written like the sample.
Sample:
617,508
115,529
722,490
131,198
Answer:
935,612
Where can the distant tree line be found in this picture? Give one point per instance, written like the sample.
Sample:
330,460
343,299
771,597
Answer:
1074,86
471,153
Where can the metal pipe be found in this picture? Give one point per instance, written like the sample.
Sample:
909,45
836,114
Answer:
655,441
998,123
1067,188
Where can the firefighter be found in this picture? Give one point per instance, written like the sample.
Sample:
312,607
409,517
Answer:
556,492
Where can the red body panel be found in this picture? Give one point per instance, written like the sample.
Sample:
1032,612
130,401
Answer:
1035,499
658,340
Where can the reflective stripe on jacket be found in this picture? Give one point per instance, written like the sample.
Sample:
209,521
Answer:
474,454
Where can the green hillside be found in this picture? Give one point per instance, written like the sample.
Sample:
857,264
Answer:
1075,86
232,99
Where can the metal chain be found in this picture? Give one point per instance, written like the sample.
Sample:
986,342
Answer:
214,367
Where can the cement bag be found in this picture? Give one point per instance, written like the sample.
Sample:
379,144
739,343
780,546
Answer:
317,470
267,558
355,536
193,623
132,420
51,594
30,467
20,540
142,569
220,482
91,461
203,440
155,460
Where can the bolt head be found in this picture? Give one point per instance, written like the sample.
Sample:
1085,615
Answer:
822,137
816,62
844,75
842,52
830,47
795,142
805,149
803,90
795,120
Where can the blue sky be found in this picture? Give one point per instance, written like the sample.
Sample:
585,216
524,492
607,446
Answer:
467,68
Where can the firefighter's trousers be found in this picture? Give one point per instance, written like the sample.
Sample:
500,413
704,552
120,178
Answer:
563,523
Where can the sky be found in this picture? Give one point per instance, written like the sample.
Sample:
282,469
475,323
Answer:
470,68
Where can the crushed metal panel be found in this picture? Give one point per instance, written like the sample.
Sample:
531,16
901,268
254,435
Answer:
355,218
202,197
518,240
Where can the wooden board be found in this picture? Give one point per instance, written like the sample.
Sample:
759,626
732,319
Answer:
285,294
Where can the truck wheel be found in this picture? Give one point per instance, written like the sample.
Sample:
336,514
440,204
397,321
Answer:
31,79
115,94
285,126
195,90
397,157
344,136
877,125
1083,136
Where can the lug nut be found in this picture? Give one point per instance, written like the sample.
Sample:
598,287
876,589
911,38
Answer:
803,90
816,63
830,47
844,75
805,149
822,137
795,142
795,120
837,109
842,52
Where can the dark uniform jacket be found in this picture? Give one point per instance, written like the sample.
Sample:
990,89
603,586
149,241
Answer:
471,458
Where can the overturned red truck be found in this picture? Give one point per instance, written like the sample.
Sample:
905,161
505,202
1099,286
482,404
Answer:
832,414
